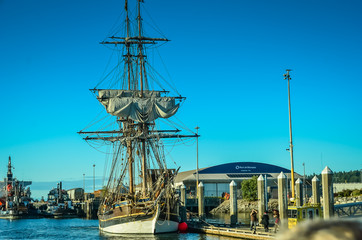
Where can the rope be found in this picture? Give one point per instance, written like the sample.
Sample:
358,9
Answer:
154,26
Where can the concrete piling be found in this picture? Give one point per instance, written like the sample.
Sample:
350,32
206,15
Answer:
299,192
183,203
316,195
261,196
282,199
233,204
201,202
327,189
183,194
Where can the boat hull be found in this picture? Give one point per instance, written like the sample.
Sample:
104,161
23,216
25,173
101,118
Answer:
10,216
17,215
142,227
143,224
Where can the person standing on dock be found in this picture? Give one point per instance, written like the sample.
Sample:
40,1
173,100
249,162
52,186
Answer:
265,221
277,220
253,220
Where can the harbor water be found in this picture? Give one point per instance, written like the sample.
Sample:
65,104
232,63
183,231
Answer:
76,228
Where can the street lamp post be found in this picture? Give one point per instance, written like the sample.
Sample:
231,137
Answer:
304,185
197,158
83,185
94,181
288,78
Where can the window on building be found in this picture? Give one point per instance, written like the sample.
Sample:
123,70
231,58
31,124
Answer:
222,188
292,213
210,190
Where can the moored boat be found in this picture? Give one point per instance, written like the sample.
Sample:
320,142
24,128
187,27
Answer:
59,204
15,202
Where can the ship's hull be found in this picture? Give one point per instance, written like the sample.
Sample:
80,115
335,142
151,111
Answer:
12,215
60,213
153,223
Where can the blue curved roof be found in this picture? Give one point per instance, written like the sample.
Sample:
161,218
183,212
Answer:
244,167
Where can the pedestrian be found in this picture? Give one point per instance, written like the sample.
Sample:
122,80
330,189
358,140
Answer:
253,220
277,220
265,221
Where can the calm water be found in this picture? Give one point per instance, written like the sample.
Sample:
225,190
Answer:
78,229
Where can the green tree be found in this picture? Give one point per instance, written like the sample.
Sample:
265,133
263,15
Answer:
342,177
249,189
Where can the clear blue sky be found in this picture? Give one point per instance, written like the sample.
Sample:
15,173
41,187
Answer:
227,57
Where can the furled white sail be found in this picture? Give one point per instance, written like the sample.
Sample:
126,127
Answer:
129,104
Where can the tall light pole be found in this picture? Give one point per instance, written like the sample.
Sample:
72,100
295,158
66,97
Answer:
94,178
197,158
304,185
288,78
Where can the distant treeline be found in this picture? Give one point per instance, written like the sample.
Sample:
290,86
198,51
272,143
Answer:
342,177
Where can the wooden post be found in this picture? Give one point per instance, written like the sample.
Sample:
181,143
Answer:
233,204
328,199
315,191
201,202
299,192
282,199
261,196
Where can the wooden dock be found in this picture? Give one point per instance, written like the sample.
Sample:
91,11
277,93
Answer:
239,232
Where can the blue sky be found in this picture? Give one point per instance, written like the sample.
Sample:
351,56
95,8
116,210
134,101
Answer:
227,57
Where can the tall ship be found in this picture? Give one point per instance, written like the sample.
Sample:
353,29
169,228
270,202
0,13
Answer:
15,200
139,196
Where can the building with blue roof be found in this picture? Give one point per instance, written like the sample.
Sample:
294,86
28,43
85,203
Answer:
216,179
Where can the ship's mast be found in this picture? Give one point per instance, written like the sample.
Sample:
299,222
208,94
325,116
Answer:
140,47
288,78
9,180
144,127
128,47
128,123
10,174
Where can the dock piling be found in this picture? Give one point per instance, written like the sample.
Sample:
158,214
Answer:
261,196
299,192
183,203
201,201
327,187
233,204
282,199
183,194
316,195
